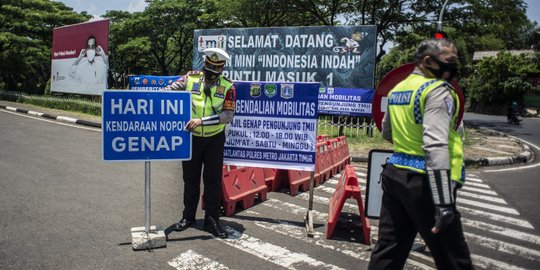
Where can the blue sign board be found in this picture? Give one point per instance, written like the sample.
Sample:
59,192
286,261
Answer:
335,56
146,125
345,101
275,126
148,82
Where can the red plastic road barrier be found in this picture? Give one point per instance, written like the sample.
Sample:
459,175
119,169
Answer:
322,138
346,155
323,163
228,168
269,178
242,185
336,155
347,188
298,180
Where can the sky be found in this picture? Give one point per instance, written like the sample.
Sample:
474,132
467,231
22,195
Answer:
98,8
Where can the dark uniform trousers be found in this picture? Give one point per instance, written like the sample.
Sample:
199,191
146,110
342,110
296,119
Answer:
207,151
407,208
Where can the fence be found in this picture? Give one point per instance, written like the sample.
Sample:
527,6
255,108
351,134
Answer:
358,128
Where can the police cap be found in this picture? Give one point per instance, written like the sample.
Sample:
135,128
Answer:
215,56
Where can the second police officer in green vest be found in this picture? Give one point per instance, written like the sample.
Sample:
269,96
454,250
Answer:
422,175
213,103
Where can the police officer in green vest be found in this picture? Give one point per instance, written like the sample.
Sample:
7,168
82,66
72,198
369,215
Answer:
213,103
421,177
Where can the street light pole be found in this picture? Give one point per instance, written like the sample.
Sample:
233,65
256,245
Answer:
439,22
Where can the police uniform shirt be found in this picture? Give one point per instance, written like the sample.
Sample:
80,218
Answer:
225,116
438,110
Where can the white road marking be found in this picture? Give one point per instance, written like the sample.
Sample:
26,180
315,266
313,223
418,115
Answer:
319,239
488,263
521,167
357,251
492,207
333,181
514,168
481,197
472,179
191,260
52,121
496,217
484,241
272,253
504,247
477,185
331,190
347,207
531,238
479,190
527,142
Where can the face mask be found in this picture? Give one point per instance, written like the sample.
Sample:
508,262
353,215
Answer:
443,67
210,74
90,54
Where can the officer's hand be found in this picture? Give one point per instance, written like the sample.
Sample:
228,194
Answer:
193,123
443,217
83,52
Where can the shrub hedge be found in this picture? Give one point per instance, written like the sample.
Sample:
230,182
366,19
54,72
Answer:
61,103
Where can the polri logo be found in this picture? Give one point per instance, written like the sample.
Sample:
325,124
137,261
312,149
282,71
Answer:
205,42
255,90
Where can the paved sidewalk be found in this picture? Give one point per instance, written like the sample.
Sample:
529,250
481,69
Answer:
487,148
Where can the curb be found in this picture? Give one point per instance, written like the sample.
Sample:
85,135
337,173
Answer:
523,157
53,117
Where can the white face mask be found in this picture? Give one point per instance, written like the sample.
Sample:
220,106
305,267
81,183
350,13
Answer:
90,54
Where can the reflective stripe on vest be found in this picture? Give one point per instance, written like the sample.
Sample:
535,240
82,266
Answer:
406,106
203,105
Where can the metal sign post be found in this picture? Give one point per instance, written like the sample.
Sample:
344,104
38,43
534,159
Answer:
147,196
158,119
308,220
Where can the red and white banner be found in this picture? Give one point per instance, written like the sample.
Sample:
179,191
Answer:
80,58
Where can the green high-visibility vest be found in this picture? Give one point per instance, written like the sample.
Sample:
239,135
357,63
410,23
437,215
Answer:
203,105
406,107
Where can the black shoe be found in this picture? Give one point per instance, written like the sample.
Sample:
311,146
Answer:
215,229
183,224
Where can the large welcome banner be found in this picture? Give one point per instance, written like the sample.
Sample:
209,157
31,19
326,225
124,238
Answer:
275,126
338,56
80,58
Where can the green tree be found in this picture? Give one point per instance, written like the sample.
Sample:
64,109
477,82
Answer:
158,40
129,51
497,81
25,41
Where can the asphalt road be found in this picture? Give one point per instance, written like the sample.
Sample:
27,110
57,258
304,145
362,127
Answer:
520,184
62,207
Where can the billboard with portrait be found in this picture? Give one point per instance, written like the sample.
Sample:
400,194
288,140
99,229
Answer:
80,58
